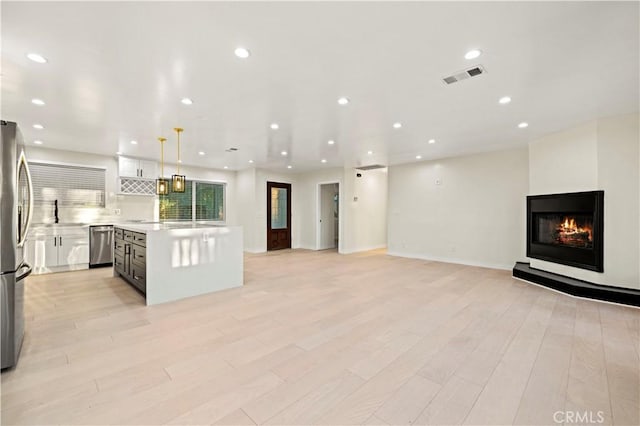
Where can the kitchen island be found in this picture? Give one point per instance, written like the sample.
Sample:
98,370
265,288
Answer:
171,261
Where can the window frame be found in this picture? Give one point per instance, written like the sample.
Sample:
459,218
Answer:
194,188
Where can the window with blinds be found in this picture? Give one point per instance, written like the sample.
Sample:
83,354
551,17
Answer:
70,185
177,205
199,201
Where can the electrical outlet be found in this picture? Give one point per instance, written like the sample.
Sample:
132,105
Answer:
438,181
117,212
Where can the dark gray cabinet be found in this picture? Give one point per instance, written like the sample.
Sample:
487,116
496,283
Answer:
130,254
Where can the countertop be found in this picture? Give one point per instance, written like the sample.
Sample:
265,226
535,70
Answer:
138,226
163,226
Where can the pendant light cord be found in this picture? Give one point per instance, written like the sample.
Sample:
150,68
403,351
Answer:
178,130
162,140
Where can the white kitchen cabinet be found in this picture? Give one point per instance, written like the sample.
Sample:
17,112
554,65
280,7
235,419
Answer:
53,249
133,167
73,250
148,169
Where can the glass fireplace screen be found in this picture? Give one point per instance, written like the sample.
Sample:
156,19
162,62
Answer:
569,230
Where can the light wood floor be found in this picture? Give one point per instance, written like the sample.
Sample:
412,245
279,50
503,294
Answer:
320,338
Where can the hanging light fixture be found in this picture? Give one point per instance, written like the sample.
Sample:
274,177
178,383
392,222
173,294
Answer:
178,181
162,184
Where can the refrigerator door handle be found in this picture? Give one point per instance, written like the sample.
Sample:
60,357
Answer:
23,165
26,271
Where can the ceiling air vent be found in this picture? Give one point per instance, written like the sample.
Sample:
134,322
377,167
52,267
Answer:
463,75
371,167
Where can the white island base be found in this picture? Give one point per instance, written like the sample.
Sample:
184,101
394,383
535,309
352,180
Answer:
184,260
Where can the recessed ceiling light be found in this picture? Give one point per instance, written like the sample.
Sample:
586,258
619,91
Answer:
397,125
288,167
504,100
323,160
283,153
418,157
331,142
432,141
472,54
226,167
250,161
343,101
37,58
37,102
369,152
200,152
523,125
241,52
274,126
38,142
134,142
38,126
187,101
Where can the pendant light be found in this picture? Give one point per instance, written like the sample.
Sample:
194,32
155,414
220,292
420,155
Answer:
178,181
162,184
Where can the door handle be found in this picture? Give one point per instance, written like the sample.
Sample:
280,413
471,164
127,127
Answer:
27,269
55,241
60,240
22,162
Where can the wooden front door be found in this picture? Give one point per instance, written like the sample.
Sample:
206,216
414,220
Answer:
278,216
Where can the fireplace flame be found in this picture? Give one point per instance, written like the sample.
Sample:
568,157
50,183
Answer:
569,227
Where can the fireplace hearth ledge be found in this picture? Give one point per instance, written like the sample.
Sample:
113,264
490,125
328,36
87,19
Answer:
575,287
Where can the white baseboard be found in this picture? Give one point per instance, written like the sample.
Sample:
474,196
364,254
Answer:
366,248
453,260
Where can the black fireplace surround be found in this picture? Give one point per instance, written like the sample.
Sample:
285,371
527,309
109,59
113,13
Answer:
567,229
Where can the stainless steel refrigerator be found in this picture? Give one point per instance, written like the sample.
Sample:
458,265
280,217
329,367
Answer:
16,207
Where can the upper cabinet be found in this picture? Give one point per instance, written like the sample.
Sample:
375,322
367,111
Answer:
132,167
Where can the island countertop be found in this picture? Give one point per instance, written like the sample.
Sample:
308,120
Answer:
163,226
181,260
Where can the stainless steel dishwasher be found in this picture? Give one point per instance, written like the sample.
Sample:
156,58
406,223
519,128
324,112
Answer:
100,246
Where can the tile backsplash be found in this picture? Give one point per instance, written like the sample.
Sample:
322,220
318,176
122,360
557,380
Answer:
130,207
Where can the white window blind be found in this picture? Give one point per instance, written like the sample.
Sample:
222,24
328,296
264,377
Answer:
200,201
70,185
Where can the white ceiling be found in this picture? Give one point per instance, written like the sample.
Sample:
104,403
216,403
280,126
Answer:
117,72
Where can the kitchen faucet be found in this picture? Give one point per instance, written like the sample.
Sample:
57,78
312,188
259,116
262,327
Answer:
55,211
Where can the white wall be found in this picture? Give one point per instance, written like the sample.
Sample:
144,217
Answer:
574,150
616,151
246,204
364,221
475,216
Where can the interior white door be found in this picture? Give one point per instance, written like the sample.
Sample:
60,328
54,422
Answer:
327,216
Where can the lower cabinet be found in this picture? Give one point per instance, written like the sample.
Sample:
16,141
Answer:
51,249
130,257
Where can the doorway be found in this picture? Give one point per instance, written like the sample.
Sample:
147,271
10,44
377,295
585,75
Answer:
278,216
328,216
